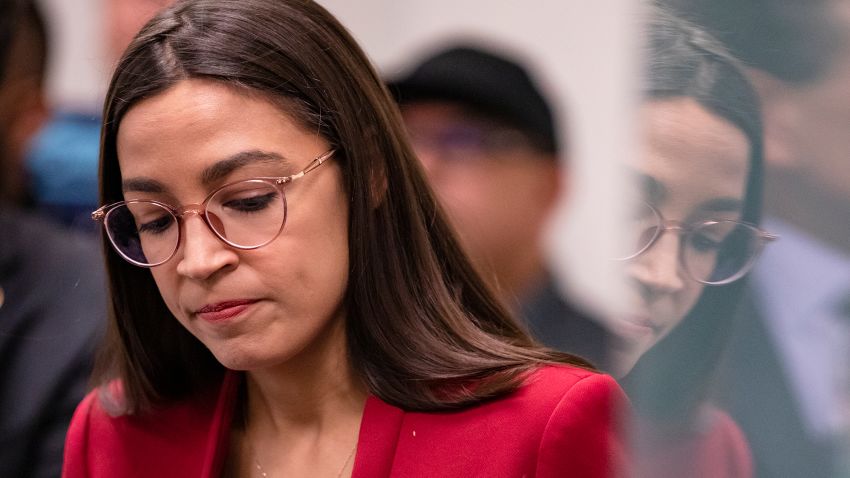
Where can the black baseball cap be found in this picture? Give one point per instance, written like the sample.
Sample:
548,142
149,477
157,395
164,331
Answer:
489,83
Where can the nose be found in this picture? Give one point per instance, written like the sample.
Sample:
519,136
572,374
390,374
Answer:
202,254
659,270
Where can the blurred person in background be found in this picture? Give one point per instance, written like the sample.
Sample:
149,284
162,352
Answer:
124,18
487,138
23,110
54,149
786,377
691,236
49,156
52,299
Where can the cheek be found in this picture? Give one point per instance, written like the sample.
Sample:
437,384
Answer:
461,194
165,282
330,254
312,267
312,260
477,201
686,299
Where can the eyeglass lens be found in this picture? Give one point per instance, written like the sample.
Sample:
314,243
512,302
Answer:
247,214
713,252
467,140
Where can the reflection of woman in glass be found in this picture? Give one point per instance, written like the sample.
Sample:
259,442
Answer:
265,215
692,235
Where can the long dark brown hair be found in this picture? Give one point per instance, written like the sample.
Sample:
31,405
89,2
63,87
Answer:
421,324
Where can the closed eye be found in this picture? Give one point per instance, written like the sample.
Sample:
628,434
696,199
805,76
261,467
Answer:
157,226
252,203
705,244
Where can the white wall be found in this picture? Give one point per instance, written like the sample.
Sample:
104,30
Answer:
77,70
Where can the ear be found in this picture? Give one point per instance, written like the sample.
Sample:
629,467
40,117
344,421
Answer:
780,117
554,180
561,178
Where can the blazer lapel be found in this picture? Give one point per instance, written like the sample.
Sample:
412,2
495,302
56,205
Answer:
376,445
216,447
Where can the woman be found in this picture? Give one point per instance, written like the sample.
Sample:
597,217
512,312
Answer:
693,235
288,300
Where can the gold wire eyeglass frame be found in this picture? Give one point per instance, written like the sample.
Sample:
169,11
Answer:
102,213
682,229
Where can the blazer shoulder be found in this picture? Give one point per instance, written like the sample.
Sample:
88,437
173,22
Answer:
583,433
559,422
77,441
169,439
557,382
559,376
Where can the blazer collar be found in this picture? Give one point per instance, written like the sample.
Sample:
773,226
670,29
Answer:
376,445
379,434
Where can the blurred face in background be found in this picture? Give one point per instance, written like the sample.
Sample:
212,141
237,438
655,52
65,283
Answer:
124,18
693,168
821,136
497,188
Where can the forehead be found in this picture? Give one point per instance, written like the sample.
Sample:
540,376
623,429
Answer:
197,122
694,153
202,106
436,112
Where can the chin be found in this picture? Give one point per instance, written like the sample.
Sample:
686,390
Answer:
236,358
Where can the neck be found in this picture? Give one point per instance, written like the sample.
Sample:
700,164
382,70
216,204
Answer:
311,391
302,417
810,208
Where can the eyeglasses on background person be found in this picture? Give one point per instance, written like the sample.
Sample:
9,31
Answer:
246,215
713,252
469,140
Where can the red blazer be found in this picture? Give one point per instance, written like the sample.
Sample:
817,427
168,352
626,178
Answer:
560,423
714,447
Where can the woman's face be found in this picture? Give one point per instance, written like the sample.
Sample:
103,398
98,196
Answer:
252,308
693,168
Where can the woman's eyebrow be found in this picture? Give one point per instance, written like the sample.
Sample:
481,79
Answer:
142,185
654,191
223,168
211,174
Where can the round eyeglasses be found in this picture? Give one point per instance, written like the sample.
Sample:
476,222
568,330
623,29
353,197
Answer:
246,215
712,252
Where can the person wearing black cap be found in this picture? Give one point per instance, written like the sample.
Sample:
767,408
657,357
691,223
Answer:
487,139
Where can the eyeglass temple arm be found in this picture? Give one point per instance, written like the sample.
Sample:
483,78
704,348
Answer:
99,213
768,237
313,165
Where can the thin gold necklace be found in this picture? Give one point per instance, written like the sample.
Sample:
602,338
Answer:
266,475
253,452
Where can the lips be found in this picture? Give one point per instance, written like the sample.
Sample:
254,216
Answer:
223,310
637,326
